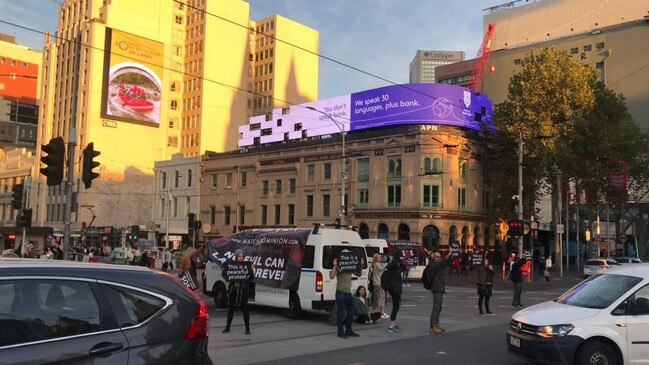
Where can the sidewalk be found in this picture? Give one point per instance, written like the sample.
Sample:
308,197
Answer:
538,282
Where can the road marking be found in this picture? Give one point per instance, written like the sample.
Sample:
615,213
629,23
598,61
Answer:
441,352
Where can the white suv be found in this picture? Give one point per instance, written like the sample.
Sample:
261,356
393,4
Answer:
602,320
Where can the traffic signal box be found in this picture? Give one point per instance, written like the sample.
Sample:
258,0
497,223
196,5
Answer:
54,161
516,228
89,163
17,196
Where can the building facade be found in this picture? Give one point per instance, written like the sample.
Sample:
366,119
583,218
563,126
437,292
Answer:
175,80
423,65
177,193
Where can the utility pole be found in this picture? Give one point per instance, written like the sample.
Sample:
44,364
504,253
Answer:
236,219
560,235
72,142
520,188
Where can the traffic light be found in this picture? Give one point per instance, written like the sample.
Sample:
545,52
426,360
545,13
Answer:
25,220
191,220
89,163
17,196
135,232
54,161
197,225
515,228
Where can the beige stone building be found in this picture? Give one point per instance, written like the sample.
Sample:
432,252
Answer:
417,182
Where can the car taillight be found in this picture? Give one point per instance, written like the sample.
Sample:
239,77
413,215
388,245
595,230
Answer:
318,282
198,328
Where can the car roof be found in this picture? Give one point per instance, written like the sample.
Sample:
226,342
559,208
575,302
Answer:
8,263
640,270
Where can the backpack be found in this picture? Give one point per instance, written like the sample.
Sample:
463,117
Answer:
425,279
386,280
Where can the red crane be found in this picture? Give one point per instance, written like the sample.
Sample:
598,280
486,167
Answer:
480,62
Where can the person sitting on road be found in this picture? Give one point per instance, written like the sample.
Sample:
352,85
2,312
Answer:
361,309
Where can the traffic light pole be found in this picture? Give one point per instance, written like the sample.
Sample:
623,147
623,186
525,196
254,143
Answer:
72,142
520,189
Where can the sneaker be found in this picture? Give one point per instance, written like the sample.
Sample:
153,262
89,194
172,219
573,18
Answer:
226,330
436,329
392,330
490,313
342,335
385,315
397,328
481,313
351,334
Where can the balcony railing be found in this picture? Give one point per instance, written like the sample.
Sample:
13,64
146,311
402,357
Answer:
430,206
361,206
394,175
364,177
392,205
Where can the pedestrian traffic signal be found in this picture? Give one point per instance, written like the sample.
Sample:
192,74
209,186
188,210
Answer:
25,219
54,161
191,220
17,196
515,228
89,163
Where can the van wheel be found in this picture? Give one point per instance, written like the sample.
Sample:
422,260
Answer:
220,295
596,353
294,310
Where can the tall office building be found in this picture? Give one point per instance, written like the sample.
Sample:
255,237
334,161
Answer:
155,78
422,67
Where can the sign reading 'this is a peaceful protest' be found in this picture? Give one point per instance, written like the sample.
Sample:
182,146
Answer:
349,262
238,272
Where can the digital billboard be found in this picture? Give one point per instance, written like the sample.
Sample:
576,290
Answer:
439,104
132,88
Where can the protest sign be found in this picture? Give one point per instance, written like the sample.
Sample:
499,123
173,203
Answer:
477,258
237,272
455,249
349,262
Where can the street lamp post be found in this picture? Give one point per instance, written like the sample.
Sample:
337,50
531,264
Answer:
343,163
236,219
520,189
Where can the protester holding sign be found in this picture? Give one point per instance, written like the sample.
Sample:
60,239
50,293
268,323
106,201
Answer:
239,274
485,283
344,299
433,275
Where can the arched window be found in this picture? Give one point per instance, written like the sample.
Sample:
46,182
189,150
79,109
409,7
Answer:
383,231
486,238
363,231
437,165
452,235
476,236
404,232
465,237
430,238
428,165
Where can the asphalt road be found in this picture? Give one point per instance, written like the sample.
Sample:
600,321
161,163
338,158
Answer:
470,338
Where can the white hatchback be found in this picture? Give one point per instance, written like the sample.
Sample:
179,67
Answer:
602,320
597,266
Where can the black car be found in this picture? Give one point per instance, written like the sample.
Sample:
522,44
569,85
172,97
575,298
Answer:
79,313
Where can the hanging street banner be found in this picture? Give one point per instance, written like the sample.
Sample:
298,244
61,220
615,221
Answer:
275,254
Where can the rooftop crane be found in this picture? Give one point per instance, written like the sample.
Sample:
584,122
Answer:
480,62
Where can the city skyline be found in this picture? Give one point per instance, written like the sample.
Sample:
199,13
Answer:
363,45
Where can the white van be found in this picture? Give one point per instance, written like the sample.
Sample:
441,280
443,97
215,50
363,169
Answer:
316,291
379,245
602,320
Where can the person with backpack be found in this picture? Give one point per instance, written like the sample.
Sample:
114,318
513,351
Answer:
392,282
433,279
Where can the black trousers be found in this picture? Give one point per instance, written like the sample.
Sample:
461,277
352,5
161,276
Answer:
238,298
396,304
363,318
518,290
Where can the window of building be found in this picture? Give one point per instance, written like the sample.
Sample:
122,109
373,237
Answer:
326,205
430,196
244,179
588,48
394,166
242,215
291,214
174,207
173,105
464,170
13,62
517,62
163,182
574,50
363,169
485,201
327,171
189,178
179,19
228,180
309,205
264,214
363,198
227,210
461,199
310,173
176,178
291,186
278,214
212,215
278,187
215,179
188,204
394,196
264,188
599,46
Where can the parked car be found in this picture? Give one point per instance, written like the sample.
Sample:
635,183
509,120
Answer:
602,320
628,260
68,312
596,266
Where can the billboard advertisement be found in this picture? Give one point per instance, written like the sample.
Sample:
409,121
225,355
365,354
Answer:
132,88
428,104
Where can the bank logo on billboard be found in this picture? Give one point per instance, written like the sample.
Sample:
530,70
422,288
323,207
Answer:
132,90
467,98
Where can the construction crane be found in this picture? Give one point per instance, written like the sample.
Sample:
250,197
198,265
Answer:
480,62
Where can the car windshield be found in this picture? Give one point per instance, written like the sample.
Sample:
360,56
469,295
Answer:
599,291
329,253
371,251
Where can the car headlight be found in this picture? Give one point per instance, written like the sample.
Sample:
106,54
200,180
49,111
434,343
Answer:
558,330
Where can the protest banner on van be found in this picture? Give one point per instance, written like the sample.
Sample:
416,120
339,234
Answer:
455,249
477,258
276,254
409,251
237,272
349,262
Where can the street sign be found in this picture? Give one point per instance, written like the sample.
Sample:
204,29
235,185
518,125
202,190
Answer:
622,238
560,228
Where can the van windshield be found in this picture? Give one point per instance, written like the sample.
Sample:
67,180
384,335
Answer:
329,253
599,291
371,251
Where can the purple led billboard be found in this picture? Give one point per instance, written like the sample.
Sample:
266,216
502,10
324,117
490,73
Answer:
386,106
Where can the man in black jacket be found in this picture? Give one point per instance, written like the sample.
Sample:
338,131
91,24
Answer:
516,276
435,271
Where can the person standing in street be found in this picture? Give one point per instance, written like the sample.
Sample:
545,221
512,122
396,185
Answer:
516,276
485,284
435,273
395,271
344,301
166,261
238,294
378,294
548,267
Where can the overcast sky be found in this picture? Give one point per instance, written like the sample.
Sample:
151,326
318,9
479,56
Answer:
377,36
